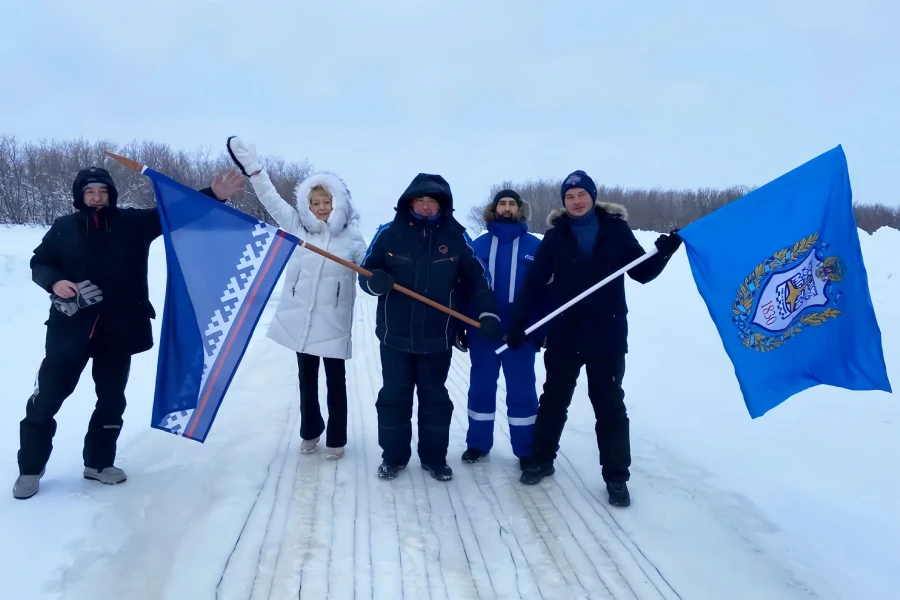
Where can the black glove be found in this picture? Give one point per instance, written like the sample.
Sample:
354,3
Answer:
490,329
380,282
668,244
516,338
462,341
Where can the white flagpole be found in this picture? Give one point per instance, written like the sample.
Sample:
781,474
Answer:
585,293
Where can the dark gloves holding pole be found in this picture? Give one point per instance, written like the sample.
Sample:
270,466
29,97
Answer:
668,244
380,283
490,328
516,338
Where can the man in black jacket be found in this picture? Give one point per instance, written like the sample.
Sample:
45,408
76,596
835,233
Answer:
94,264
587,242
424,249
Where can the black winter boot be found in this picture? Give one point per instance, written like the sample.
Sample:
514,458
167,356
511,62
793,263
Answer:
386,471
473,455
618,494
439,472
534,472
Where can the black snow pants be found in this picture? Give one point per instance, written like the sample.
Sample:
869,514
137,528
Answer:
57,378
402,373
604,375
312,425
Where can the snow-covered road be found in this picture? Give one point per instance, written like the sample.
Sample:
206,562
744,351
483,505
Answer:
255,519
246,516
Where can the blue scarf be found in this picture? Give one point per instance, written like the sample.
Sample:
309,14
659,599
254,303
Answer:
585,229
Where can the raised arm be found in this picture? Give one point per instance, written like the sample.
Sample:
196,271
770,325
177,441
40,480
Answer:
651,268
244,156
148,218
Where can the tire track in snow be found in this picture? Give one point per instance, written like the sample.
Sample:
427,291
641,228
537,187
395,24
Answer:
482,535
232,577
585,503
539,516
387,564
362,522
534,533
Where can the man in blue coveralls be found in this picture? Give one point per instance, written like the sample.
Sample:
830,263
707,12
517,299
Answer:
507,251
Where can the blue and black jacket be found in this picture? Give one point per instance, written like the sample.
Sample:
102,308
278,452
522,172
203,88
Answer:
430,257
507,251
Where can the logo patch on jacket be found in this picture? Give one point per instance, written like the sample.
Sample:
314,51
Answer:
529,257
443,249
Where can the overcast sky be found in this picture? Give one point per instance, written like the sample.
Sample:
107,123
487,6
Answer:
656,93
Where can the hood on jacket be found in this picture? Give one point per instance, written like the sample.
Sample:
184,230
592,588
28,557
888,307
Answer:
342,211
617,211
524,215
93,175
426,184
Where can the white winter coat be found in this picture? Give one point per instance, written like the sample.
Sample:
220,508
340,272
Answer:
315,313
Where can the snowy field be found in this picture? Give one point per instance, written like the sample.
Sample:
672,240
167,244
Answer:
802,503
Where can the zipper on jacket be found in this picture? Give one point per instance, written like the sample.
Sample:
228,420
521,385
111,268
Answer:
337,297
451,259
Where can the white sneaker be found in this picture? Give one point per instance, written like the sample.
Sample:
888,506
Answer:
308,446
334,453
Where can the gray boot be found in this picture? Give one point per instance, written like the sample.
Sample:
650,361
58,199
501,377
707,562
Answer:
27,486
109,475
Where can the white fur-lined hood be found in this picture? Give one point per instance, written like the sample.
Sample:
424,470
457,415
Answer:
615,210
343,213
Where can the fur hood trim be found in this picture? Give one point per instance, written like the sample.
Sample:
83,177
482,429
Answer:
342,214
524,215
614,210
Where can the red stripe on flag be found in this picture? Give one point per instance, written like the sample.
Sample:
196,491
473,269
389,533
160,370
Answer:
195,418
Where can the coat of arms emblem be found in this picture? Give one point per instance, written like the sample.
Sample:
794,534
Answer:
794,288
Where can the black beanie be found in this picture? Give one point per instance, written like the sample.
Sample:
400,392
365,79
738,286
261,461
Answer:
506,194
92,175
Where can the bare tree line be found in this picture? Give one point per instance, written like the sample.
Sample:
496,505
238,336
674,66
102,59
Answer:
659,210
36,178
36,186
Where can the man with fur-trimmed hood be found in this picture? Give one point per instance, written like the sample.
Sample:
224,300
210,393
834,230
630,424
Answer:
587,242
508,251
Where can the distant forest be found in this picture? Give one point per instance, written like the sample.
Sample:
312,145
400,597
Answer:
36,186
659,210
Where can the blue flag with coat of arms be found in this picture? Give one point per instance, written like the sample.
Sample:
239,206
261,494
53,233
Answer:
782,275
222,265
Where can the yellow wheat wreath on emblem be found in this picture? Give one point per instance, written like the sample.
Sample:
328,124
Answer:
751,285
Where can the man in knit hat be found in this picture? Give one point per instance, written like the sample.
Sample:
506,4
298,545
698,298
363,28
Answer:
93,263
588,241
508,250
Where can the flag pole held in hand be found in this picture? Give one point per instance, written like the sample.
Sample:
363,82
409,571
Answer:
586,293
399,288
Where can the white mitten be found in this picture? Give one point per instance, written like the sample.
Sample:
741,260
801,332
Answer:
243,155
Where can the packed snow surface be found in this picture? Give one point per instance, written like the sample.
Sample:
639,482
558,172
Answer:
801,503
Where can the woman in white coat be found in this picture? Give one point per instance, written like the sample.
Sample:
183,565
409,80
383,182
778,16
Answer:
315,313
